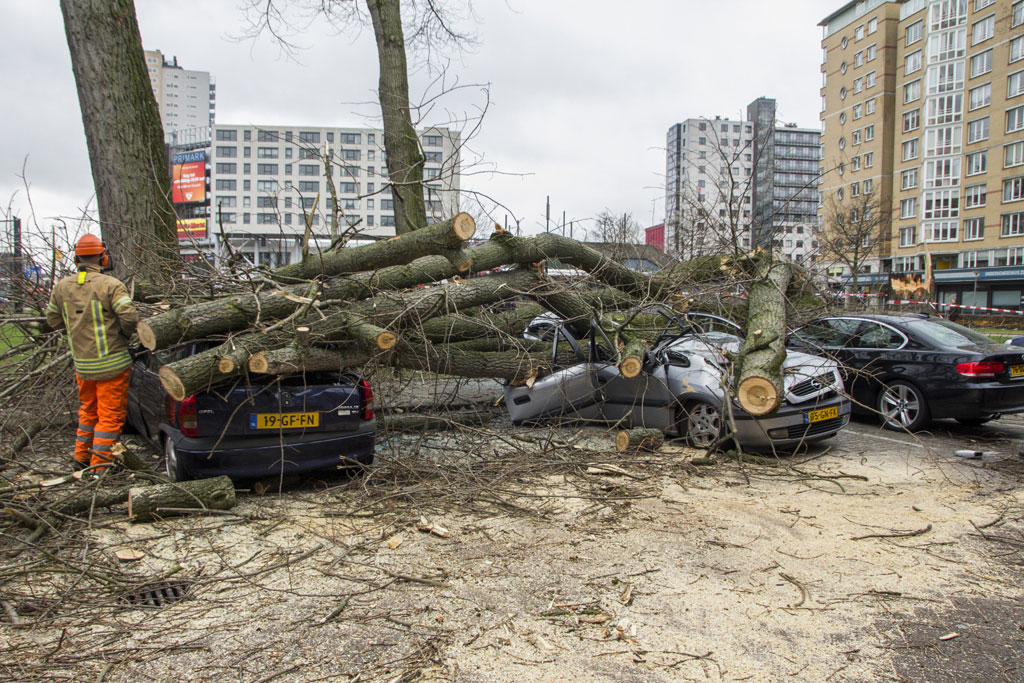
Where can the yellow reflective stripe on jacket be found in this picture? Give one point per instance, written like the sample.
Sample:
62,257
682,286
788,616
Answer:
99,328
111,362
71,346
52,308
122,302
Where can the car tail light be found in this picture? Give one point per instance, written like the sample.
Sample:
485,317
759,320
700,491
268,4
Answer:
985,368
367,393
188,418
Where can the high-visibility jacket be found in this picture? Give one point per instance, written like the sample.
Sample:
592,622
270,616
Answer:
99,318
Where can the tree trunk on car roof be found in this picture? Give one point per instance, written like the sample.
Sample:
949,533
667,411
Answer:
125,139
758,371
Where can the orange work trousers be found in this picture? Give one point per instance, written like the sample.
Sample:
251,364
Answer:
100,417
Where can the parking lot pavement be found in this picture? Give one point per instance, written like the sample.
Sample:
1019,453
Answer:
997,440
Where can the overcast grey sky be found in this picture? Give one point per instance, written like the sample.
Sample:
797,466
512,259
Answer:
581,92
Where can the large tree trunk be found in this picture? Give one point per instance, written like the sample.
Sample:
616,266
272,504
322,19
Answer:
239,311
164,500
759,387
401,144
125,138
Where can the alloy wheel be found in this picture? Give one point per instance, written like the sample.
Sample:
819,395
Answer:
703,425
902,407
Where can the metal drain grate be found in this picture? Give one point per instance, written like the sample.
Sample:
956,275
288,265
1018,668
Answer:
158,595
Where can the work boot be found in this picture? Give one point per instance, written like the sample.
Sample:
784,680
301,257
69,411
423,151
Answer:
77,465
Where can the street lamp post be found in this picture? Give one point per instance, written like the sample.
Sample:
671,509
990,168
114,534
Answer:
974,297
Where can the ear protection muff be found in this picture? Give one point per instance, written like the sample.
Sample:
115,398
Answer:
105,261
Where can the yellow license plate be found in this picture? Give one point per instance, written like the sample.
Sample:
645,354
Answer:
283,420
823,414
1017,371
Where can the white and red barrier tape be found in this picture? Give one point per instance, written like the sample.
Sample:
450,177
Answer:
898,302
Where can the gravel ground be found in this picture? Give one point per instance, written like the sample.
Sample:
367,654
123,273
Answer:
505,554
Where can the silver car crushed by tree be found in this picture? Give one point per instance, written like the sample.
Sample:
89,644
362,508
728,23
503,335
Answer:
681,389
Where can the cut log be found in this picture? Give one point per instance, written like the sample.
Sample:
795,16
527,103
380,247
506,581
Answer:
637,439
129,458
23,437
759,387
444,238
144,503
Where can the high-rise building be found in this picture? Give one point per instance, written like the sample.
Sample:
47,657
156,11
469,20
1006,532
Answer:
923,108
187,99
265,181
737,184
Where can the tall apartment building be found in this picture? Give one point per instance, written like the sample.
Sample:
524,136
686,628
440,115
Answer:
187,99
946,116
741,183
265,180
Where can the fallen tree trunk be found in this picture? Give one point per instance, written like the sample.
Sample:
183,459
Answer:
197,373
639,439
238,311
445,238
146,503
759,387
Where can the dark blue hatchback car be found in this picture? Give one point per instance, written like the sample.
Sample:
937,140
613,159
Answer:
254,428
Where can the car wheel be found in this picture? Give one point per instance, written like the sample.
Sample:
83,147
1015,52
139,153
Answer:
974,421
172,463
701,424
902,407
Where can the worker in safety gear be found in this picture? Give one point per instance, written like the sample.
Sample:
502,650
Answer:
99,318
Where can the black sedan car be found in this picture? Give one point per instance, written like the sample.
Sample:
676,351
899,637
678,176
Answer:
911,368
293,425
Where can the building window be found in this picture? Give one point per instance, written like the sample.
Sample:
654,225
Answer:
914,32
908,236
908,179
977,163
436,157
226,152
842,142
226,184
351,154
941,231
1013,154
266,185
1012,224
227,168
943,140
974,228
869,159
858,111
869,106
977,130
1015,84
912,62
872,51
246,168
428,173
981,63
869,133
858,33
947,45
309,136
855,139
980,96
266,152
872,25
858,59
858,85
942,172
1013,189
227,135
869,79
1017,14
431,141
911,120
908,207
941,204
227,201
983,30
912,92
266,136
387,221
227,217
944,109
266,169
266,219
855,163
1015,119
308,169
309,186
944,78
974,196
911,149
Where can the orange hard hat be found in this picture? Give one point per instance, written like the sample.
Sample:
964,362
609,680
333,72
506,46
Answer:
89,245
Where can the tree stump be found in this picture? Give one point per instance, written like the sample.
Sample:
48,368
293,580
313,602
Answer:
638,439
145,503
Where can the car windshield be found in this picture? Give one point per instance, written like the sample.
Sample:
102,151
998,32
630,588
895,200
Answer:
945,333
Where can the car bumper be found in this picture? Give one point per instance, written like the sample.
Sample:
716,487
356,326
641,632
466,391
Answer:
265,456
788,427
978,400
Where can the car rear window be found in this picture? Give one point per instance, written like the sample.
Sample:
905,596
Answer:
945,333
